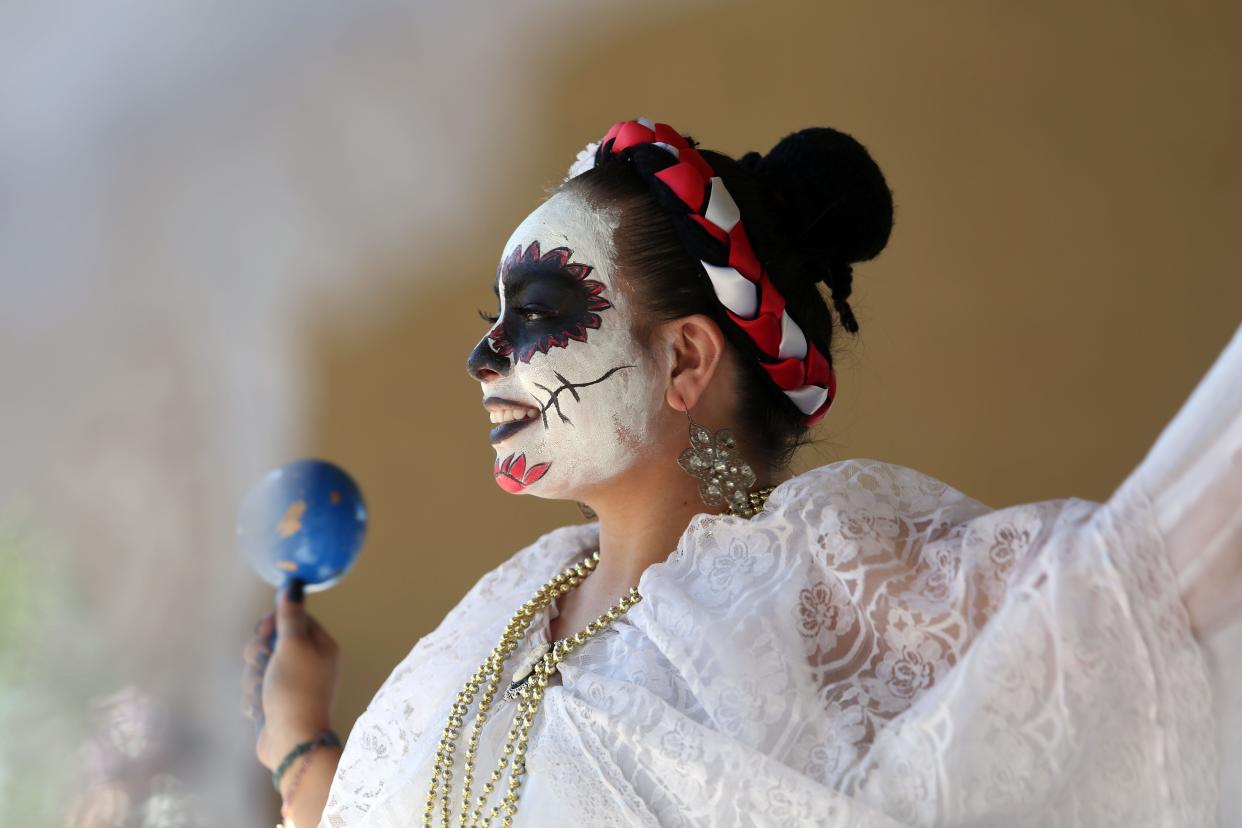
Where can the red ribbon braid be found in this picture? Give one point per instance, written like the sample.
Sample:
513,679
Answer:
738,278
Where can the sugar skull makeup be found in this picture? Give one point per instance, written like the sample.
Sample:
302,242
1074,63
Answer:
568,387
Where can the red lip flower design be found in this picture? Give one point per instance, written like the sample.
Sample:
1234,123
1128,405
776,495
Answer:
582,316
513,476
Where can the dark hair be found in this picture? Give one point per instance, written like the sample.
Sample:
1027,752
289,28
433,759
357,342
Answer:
813,206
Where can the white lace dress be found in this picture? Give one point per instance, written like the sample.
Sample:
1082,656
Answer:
875,648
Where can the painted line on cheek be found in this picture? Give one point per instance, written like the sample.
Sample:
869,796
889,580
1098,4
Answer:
553,400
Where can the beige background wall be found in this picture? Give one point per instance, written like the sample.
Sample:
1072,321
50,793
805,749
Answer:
1062,269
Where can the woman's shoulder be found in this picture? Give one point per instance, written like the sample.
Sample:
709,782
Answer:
876,487
863,482
863,516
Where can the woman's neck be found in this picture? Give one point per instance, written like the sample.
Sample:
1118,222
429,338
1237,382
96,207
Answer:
642,519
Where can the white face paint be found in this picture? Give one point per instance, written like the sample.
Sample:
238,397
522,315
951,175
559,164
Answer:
570,388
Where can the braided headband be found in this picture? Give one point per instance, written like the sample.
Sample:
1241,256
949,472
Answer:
685,182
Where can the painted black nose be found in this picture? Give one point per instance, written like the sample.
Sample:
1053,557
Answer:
484,364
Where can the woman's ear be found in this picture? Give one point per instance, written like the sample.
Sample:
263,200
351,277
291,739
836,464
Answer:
698,348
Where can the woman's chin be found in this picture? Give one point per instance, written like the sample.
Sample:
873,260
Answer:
515,472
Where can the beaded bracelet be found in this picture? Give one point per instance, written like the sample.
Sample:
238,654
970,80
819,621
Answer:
325,739
286,807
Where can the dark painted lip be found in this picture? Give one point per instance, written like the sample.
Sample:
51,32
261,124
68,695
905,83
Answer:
507,430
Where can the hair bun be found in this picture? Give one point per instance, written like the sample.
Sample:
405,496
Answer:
833,200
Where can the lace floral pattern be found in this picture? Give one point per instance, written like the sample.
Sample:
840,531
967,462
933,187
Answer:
874,649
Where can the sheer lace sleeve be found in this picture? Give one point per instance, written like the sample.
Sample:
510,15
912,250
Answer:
1188,492
1192,483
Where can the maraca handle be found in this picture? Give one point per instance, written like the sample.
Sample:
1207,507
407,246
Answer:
295,588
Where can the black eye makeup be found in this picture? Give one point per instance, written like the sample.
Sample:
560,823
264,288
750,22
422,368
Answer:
531,313
549,302
535,313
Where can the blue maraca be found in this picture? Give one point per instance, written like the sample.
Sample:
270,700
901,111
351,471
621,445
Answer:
305,521
302,526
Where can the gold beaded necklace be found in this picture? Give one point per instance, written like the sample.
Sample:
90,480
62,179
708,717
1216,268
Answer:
527,692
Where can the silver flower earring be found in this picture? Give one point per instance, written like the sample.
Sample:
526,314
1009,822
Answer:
723,476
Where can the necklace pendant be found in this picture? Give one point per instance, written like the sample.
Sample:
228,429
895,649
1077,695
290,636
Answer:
525,670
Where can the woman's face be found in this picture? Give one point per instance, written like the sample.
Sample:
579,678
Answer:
571,394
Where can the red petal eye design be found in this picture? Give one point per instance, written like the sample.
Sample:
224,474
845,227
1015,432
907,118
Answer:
576,324
500,342
513,476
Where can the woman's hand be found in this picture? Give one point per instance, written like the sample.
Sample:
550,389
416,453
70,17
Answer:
294,693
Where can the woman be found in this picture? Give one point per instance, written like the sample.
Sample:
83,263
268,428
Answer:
857,645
